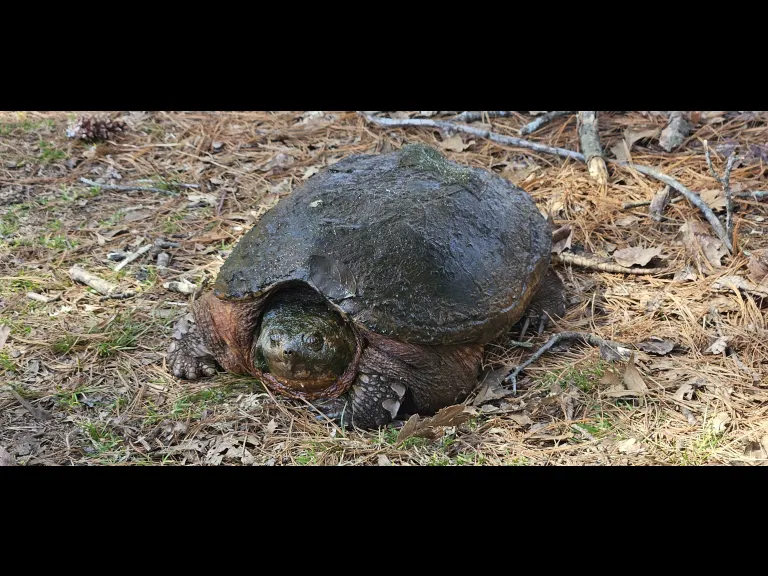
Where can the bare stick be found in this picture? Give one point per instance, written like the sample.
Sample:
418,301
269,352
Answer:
692,197
725,182
451,127
133,256
585,336
562,152
101,286
40,298
590,146
126,188
540,121
475,116
756,195
590,264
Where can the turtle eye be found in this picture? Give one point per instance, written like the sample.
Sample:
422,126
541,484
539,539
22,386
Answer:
313,341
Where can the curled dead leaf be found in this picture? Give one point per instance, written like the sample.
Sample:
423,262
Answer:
630,446
635,256
714,198
659,202
627,221
735,282
657,346
561,239
685,392
720,421
427,427
718,346
701,247
632,378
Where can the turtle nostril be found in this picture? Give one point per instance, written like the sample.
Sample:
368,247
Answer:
288,352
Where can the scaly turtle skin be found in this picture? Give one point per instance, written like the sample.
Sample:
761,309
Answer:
374,288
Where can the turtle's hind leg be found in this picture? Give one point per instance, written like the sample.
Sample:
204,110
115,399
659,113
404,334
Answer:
549,302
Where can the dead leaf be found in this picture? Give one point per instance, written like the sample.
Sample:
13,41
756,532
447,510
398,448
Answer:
137,215
630,136
209,199
659,202
621,151
280,160
6,459
720,421
520,419
687,274
383,460
757,450
700,246
758,266
449,416
271,427
630,446
718,346
685,392
657,346
311,171
635,256
561,239
4,333
627,221
740,283
714,198
632,378
455,143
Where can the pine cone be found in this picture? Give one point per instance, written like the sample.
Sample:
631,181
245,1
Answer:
92,128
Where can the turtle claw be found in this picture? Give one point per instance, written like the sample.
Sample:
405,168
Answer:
186,362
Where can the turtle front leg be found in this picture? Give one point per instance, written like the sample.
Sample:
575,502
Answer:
215,333
394,375
188,354
373,399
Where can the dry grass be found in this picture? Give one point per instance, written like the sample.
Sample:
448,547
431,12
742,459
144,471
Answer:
96,367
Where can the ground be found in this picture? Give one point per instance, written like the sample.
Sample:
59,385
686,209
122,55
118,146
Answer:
83,379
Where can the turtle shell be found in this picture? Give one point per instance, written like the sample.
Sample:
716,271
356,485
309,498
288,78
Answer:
407,244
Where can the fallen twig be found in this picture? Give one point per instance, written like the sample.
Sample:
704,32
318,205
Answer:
101,286
725,182
610,267
557,338
590,146
540,121
692,197
133,256
756,195
40,298
184,286
480,133
475,116
126,188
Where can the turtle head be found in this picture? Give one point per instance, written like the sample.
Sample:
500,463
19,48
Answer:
303,343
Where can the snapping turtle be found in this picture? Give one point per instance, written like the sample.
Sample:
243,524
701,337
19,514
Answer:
374,288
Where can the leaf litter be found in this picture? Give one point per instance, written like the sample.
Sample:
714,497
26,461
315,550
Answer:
118,392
